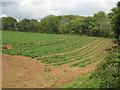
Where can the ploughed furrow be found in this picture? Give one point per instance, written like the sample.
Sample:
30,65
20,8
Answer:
92,61
60,58
86,60
95,60
84,50
96,56
82,57
69,51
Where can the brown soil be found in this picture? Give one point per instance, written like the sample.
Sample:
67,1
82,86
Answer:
24,72
7,46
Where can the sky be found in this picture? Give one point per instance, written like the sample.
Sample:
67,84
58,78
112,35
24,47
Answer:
38,9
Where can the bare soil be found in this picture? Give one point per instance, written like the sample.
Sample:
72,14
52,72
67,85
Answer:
25,72
7,46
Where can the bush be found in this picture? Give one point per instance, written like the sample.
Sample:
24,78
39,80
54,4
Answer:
108,71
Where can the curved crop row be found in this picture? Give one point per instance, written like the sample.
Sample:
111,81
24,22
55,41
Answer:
99,55
56,58
88,54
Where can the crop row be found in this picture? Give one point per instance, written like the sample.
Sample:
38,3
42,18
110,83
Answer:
95,60
37,50
88,54
66,56
59,58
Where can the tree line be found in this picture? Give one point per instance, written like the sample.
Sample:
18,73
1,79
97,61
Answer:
100,24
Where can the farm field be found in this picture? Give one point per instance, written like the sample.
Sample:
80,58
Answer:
52,55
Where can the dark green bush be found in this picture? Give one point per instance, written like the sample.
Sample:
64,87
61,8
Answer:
108,71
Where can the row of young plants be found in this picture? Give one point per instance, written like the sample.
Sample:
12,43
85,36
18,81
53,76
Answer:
62,58
84,50
83,56
65,55
95,60
36,50
88,61
87,56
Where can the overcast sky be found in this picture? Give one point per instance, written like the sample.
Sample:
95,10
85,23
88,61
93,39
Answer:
38,9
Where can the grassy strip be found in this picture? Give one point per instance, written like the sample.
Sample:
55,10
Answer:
84,82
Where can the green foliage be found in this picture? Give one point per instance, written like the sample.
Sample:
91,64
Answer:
75,26
84,82
98,25
116,21
4,48
65,22
102,25
50,24
9,23
108,71
27,25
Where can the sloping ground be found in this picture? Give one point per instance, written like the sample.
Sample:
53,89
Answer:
26,72
20,72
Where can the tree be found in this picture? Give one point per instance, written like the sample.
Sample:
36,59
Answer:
23,25
76,26
38,27
98,25
89,24
50,24
9,23
116,21
99,20
67,20
27,25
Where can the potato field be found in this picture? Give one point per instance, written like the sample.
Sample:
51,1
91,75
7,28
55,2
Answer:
56,50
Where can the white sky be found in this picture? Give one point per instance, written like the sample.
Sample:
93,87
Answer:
40,8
